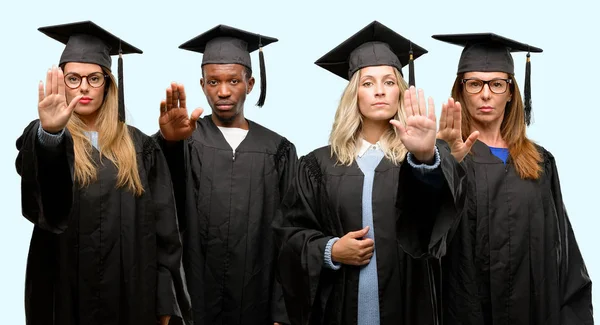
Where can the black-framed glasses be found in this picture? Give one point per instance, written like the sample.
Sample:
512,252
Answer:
95,79
497,85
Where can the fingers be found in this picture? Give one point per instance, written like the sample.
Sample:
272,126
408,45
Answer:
169,100
431,109
163,107
49,82
181,92
73,103
450,114
471,140
40,91
61,82
175,92
359,233
366,243
412,101
54,80
422,105
196,114
456,116
398,126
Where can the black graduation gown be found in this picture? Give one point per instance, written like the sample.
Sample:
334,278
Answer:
411,219
228,201
100,255
514,259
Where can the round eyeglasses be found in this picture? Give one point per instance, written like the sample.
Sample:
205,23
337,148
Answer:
95,80
497,86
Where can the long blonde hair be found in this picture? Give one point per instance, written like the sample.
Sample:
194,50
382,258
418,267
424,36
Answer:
347,126
114,141
523,151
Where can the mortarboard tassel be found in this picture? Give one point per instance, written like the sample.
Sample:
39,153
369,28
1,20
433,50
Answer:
411,67
121,91
527,91
263,76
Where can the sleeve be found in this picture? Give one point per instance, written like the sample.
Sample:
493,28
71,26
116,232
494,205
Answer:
430,205
47,174
327,256
298,229
172,296
287,162
50,141
175,155
575,282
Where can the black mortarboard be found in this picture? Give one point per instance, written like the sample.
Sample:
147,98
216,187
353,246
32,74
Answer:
488,52
87,42
373,45
226,45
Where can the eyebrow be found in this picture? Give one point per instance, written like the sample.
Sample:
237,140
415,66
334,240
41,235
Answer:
230,76
386,76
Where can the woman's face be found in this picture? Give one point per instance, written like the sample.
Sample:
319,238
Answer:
378,93
486,102
92,82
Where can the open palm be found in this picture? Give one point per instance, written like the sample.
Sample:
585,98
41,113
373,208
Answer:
174,122
53,110
450,130
418,135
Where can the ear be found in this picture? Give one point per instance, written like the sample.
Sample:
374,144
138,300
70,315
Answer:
251,82
202,84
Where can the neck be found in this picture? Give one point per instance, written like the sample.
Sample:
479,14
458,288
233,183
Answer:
489,133
239,121
373,130
89,121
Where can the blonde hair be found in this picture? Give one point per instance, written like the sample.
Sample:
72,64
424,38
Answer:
114,141
523,151
347,126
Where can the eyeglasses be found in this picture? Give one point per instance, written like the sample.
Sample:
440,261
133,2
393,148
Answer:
95,80
497,86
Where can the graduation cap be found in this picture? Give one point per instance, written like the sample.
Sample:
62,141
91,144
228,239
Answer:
228,45
488,52
87,42
374,45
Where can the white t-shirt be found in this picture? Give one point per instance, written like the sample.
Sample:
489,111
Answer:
234,136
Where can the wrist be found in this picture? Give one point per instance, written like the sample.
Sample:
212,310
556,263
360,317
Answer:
426,157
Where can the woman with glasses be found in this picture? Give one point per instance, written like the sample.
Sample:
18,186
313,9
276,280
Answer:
105,247
514,258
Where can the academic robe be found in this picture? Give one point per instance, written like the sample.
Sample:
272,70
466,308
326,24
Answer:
411,219
514,258
99,254
228,200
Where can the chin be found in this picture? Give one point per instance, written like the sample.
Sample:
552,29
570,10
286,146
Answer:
84,111
380,116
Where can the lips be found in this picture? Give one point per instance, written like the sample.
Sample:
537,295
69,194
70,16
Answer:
380,104
224,106
486,109
85,100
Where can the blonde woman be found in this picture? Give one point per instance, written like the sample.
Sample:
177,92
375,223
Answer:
105,247
515,259
365,207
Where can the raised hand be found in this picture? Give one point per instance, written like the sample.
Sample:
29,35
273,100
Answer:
352,249
175,125
451,132
418,136
52,104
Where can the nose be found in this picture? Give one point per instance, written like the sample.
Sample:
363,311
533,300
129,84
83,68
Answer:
84,85
223,91
486,93
379,90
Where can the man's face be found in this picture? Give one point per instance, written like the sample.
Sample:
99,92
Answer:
225,87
